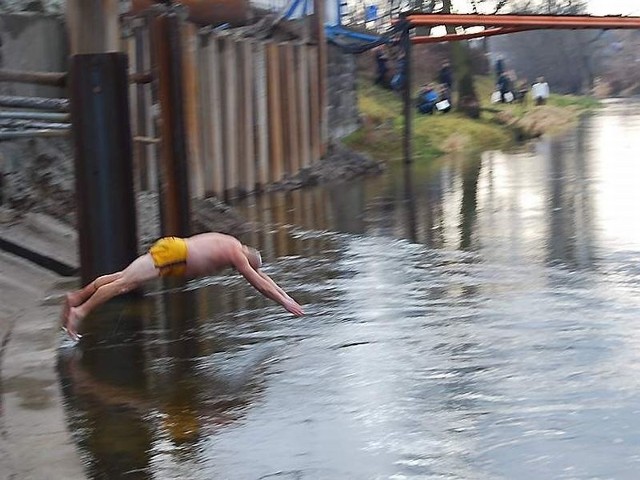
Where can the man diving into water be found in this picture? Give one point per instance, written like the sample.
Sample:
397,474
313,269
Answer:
196,256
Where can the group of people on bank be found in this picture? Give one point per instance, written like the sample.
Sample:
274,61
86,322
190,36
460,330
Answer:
432,98
511,89
436,96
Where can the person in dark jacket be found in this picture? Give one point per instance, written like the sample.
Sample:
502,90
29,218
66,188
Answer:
445,77
382,67
504,86
427,99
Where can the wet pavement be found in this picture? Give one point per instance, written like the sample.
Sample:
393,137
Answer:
35,441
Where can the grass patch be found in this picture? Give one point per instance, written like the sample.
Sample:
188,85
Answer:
381,135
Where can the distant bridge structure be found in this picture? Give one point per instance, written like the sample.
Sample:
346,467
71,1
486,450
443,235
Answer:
482,26
490,25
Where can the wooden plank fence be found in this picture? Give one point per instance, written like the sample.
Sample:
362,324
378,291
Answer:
252,110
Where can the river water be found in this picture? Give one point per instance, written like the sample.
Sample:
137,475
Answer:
487,327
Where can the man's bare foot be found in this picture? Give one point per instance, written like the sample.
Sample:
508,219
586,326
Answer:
74,299
74,318
65,310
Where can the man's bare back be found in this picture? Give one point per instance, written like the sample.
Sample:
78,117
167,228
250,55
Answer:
209,253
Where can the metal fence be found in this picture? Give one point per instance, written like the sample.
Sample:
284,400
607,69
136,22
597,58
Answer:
252,110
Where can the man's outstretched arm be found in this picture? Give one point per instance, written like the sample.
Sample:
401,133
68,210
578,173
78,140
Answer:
266,286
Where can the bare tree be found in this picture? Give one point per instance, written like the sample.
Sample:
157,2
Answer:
620,70
569,59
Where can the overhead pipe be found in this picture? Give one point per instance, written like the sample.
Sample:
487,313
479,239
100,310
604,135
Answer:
527,21
54,79
489,32
204,12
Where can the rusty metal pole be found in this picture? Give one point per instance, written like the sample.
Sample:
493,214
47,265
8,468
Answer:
175,198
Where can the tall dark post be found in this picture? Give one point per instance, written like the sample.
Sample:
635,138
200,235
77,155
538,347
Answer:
103,163
319,35
408,110
175,200
408,132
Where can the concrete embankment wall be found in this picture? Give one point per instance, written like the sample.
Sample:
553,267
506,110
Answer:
344,117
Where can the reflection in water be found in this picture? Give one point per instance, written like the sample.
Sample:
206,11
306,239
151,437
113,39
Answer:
482,324
143,404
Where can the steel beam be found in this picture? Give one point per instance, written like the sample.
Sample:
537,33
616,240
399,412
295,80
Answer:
175,198
530,21
38,78
488,32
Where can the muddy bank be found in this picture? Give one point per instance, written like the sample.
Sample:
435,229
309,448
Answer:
340,164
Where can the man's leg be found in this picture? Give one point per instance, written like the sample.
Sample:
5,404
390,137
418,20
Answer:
73,299
80,296
141,270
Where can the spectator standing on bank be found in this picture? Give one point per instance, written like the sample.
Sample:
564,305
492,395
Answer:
445,77
522,88
400,76
382,66
504,87
500,67
540,91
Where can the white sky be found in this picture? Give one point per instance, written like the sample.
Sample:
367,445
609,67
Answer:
614,7
602,7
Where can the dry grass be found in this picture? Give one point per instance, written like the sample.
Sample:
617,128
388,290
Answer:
547,119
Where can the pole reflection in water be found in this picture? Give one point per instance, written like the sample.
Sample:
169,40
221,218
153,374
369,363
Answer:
484,327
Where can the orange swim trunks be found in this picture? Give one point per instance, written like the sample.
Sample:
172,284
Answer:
170,256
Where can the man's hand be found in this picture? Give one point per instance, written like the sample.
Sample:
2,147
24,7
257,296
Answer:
293,307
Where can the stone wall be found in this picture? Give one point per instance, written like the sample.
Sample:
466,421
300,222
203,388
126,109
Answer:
341,90
32,42
35,174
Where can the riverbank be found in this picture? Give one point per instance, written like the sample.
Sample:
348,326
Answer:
499,126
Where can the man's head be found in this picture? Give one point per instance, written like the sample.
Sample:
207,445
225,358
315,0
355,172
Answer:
254,257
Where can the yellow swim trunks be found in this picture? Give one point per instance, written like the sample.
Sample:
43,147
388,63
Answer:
170,256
